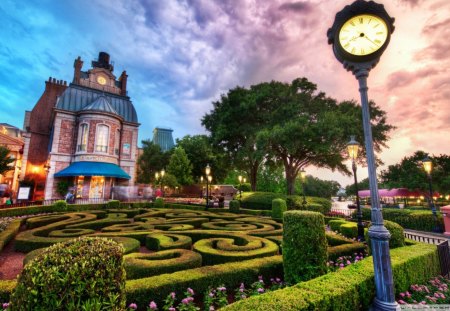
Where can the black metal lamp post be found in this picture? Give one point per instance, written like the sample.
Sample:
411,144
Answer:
210,184
207,172
353,148
360,34
428,167
303,177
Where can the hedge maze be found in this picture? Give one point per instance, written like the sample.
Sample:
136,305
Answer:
157,240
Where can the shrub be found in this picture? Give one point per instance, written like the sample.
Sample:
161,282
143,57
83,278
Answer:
81,274
349,230
163,241
60,206
351,288
408,219
336,239
345,250
139,265
159,203
397,235
335,224
9,232
113,204
278,208
304,246
234,206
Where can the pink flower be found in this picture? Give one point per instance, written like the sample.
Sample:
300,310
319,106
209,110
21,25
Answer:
401,302
260,290
211,294
5,305
221,289
190,291
172,309
172,294
153,305
341,265
211,308
402,294
132,306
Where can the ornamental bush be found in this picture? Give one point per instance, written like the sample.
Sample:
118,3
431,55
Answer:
80,274
113,204
349,230
278,208
336,224
60,206
304,246
234,206
397,235
159,203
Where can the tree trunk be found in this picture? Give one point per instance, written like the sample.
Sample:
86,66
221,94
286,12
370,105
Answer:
290,179
253,175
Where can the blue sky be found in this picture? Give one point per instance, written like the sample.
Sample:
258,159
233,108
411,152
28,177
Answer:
181,55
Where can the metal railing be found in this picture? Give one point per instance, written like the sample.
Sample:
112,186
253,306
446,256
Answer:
342,212
444,258
424,238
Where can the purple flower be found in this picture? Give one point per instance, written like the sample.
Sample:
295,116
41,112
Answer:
211,308
211,294
260,290
221,289
401,302
279,280
5,305
402,294
153,305
131,306
172,309
190,291
172,294
341,265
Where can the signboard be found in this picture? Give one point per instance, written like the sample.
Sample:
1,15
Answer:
126,148
24,193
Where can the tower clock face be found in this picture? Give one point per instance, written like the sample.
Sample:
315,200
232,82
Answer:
101,80
363,34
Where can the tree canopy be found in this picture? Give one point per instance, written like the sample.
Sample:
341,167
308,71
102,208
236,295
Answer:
5,160
293,124
409,173
151,161
180,166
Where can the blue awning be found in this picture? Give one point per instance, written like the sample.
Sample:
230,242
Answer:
93,169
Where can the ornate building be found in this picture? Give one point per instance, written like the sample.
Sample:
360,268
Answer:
84,133
11,138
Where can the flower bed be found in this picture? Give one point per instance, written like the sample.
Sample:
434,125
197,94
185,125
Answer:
435,291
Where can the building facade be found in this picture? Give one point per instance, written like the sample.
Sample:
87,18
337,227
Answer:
163,138
90,138
11,138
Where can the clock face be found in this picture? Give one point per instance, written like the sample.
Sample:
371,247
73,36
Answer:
363,34
101,80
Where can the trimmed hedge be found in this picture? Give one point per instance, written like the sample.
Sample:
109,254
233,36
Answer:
159,203
234,206
60,206
163,241
139,265
263,201
345,250
200,279
408,219
349,230
94,279
351,288
304,246
31,210
336,224
334,239
397,235
8,234
278,208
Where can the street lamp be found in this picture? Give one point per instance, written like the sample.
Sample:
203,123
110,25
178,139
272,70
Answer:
207,172
163,172
428,166
302,177
359,48
353,148
210,180
240,186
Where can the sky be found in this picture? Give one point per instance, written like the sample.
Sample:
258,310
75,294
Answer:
181,55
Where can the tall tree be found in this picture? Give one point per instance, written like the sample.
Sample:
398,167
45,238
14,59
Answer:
180,166
317,187
234,123
152,160
409,173
5,160
201,152
362,185
305,127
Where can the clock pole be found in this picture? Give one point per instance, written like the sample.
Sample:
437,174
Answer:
359,62
378,234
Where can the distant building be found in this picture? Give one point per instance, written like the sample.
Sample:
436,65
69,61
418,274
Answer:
11,138
84,133
163,138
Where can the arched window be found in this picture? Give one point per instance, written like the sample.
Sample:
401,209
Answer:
83,134
102,138
117,142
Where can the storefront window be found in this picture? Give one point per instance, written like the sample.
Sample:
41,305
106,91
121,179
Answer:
117,142
80,182
101,139
96,189
83,137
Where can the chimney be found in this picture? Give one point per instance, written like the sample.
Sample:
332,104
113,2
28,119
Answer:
123,85
77,70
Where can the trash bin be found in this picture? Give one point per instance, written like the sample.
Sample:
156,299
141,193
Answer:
445,211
